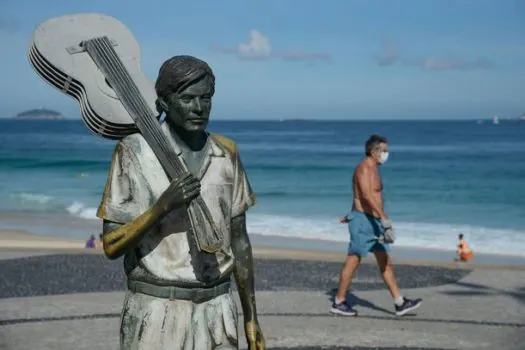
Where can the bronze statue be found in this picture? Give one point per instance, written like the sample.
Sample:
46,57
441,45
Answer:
175,199
179,296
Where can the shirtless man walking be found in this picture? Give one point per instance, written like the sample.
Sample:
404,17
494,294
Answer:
370,230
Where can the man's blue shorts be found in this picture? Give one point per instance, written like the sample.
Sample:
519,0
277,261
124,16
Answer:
364,233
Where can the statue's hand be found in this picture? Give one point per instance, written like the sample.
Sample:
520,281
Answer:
254,336
180,191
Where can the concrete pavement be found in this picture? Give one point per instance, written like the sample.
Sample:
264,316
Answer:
484,310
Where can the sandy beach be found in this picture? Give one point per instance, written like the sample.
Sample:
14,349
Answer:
277,247
52,286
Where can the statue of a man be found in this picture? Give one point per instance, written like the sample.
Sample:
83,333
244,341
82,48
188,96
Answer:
179,297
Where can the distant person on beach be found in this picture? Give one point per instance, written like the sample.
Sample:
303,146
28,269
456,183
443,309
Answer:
370,230
90,243
464,252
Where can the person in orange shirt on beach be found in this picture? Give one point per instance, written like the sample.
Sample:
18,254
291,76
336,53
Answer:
464,251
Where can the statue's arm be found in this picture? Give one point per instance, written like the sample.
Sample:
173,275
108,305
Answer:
119,238
122,227
243,270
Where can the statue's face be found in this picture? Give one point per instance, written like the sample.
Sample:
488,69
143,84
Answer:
190,109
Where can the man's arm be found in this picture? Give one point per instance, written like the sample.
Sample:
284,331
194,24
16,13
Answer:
243,270
364,183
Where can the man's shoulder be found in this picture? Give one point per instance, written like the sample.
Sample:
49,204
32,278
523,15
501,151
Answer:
362,167
227,144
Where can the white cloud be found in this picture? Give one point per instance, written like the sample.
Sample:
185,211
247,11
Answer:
258,47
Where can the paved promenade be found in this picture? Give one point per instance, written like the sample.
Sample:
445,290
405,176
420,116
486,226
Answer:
72,301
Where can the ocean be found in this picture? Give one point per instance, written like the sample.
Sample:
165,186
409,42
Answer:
442,178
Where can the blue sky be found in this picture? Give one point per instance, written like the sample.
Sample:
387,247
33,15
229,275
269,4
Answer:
306,59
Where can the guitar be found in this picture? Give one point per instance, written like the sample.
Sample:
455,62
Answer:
95,59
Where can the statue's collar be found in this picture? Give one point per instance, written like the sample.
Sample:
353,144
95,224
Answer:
213,149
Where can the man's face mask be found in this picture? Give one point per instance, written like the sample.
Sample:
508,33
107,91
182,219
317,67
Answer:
383,157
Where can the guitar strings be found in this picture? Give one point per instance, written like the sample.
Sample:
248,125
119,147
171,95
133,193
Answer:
121,77
153,125
110,57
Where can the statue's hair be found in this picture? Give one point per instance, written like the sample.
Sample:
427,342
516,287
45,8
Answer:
178,72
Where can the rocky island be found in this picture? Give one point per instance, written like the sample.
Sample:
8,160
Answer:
40,114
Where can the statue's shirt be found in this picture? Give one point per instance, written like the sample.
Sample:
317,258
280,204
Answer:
167,253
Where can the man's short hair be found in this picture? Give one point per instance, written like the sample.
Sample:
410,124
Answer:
178,72
373,143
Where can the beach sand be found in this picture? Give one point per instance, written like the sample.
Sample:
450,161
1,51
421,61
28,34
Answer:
278,247
57,295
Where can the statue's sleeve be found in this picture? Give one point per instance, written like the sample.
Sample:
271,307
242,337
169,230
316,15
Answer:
243,195
122,198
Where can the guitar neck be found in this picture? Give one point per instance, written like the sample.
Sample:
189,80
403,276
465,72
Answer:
103,54
205,232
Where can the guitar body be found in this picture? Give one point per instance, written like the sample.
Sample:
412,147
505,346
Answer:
58,57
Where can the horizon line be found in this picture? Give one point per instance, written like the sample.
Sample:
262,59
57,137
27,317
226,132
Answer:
312,119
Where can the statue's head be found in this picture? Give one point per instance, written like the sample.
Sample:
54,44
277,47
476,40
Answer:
185,86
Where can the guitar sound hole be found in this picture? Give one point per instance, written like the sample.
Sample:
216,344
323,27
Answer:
107,82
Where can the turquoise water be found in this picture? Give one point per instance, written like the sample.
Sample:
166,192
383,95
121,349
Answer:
442,177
